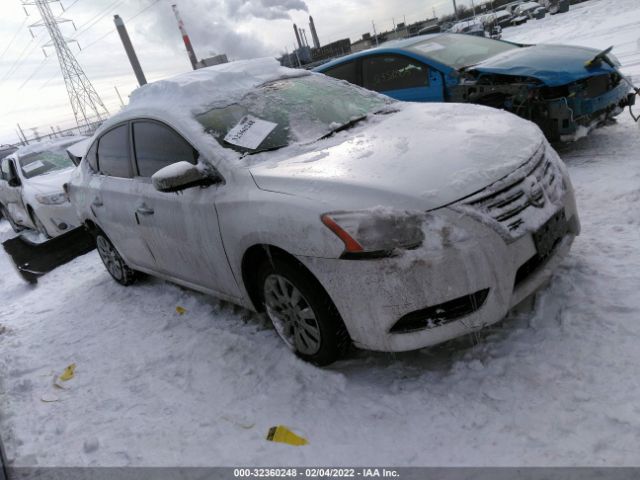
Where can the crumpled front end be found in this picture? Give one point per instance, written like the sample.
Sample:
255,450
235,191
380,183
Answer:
563,112
481,256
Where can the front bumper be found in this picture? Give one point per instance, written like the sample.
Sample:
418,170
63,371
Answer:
567,115
57,219
373,295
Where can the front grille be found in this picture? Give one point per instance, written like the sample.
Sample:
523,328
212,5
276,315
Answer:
520,202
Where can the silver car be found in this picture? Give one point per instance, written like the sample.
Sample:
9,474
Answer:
346,216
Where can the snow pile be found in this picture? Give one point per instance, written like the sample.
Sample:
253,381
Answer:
199,89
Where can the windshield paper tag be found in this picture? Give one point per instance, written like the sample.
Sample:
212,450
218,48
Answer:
250,132
429,47
30,167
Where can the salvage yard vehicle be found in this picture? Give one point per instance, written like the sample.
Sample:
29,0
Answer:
532,10
556,6
344,215
31,187
566,90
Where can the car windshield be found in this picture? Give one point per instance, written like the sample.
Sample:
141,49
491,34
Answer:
44,162
460,51
293,110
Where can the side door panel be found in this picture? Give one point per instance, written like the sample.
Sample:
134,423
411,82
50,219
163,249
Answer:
180,228
114,201
184,235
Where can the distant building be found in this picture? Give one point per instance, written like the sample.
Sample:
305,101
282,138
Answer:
332,50
211,61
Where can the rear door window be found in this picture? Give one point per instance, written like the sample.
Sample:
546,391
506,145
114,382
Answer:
383,73
346,71
157,146
113,153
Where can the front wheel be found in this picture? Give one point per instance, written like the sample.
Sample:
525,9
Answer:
302,312
115,264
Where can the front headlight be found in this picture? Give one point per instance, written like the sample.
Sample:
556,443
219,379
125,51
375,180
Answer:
53,199
376,231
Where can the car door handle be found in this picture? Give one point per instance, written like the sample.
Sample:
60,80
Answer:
97,202
144,210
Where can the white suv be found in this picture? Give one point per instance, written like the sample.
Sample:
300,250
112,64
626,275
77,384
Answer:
346,216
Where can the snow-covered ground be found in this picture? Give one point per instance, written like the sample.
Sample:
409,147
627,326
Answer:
557,385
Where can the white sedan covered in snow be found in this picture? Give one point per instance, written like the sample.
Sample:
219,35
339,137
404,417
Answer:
346,216
31,187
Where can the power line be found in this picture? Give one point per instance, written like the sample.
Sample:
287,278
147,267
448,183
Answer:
85,102
99,39
142,11
70,6
35,72
85,27
13,39
131,19
18,60
33,43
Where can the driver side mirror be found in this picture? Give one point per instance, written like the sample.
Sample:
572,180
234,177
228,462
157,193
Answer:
14,182
182,175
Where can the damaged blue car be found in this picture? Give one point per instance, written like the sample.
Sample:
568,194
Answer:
566,90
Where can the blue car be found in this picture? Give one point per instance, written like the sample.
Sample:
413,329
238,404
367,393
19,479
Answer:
564,89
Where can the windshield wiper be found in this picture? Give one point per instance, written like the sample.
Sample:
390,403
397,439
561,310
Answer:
343,127
261,150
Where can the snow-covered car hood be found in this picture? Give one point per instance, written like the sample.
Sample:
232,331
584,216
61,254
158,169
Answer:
425,156
554,65
50,182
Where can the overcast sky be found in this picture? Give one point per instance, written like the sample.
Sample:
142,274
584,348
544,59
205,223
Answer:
32,91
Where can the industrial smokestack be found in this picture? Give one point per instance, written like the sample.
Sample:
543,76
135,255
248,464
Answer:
304,37
314,34
128,48
185,38
295,29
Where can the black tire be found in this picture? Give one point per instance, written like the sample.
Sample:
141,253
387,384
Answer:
5,213
113,262
333,339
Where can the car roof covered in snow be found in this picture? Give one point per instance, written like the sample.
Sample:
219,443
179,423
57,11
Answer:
199,89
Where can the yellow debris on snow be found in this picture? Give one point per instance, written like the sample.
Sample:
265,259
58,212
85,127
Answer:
181,310
282,434
68,372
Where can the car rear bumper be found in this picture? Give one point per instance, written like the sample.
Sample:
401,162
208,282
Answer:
452,289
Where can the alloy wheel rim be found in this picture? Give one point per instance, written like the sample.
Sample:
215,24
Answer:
109,257
292,315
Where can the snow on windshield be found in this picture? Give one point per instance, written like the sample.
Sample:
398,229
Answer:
288,111
44,162
459,51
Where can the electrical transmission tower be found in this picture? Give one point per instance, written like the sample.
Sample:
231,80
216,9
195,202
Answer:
86,104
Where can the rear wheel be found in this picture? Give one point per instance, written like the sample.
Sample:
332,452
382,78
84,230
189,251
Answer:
5,213
113,262
302,312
